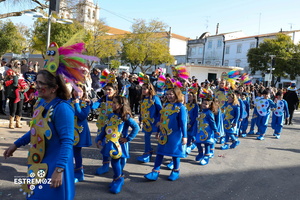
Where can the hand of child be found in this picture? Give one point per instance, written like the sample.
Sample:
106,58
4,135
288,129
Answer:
99,143
184,141
123,140
217,133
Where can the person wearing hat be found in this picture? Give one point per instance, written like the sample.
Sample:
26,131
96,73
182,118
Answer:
293,101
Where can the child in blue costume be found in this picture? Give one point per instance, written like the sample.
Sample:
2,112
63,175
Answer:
255,114
232,115
242,106
150,108
82,133
280,113
51,139
104,109
221,96
193,109
246,112
264,107
206,128
172,135
117,139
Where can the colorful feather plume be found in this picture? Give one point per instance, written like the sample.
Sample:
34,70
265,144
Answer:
193,88
178,84
141,77
245,79
180,71
103,77
161,81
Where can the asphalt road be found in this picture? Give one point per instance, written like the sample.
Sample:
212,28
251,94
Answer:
268,169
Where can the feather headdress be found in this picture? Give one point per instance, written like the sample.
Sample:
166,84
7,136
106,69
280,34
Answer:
67,61
107,77
245,79
143,78
193,88
180,71
161,81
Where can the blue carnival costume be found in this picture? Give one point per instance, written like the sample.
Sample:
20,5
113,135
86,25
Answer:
82,135
232,114
245,115
264,110
239,123
114,129
150,115
193,110
219,118
221,96
254,117
104,108
279,114
173,128
51,140
206,128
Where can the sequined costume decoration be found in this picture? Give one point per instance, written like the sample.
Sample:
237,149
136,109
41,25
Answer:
189,107
39,130
228,117
103,111
145,114
164,123
113,135
202,127
78,129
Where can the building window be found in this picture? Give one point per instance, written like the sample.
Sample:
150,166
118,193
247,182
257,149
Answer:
238,63
89,13
200,50
94,14
252,45
227,49
219,43
209,44
239,48
217,63
208,62
199,62
193,52
226,63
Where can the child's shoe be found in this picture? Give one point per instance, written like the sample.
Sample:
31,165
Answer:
174,175
152,176
224,147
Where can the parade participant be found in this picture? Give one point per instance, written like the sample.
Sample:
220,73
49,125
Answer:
292,99
246,112
280,113
117,140
104,109
150,108
172,136
82,135
231,112
51,132
206,128
264,106
193,109
253,122
242,109
221,96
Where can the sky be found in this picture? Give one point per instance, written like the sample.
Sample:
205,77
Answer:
191,18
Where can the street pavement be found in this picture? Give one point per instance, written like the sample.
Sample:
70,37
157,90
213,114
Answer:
267,170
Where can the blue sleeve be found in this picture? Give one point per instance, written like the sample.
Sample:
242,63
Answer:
236,114
101,135
241,108
286,109
182,119
24,140
135,129
211,120
96,104
194,115
82,113
158,107
247,104
62,114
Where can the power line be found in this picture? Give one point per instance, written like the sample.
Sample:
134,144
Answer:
118,15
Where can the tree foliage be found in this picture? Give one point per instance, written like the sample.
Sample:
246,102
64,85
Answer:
146,46
11,39
286,53
60,33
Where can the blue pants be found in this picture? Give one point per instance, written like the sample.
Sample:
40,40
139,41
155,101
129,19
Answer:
147,138
262,123
277,123
159,158
118,166
77,157
229,136
244,125
207,147
253,121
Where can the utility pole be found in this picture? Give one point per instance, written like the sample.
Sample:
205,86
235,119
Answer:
271,70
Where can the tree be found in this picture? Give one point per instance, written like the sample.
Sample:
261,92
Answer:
60,33
286,56
11,39
99,44
146,45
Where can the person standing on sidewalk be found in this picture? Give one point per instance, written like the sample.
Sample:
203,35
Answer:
292,99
